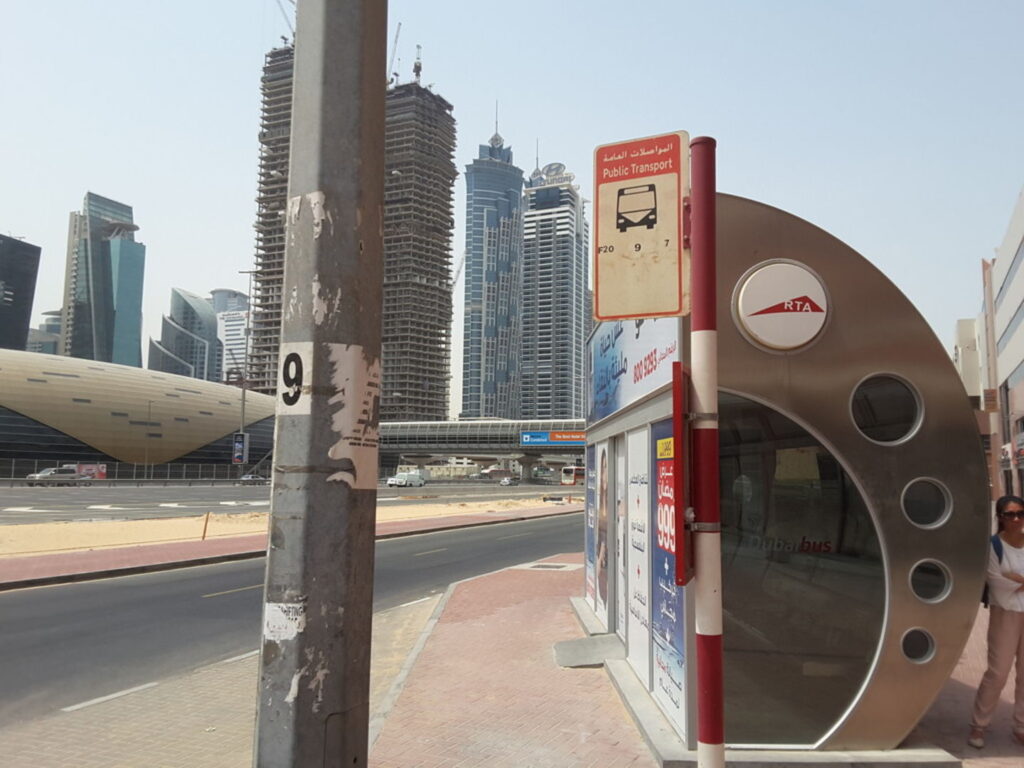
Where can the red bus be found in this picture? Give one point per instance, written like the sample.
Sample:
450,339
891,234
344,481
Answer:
574,475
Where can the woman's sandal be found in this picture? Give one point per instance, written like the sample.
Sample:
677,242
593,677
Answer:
976,738
1019,737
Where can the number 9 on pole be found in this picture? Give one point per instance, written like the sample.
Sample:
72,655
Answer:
295,378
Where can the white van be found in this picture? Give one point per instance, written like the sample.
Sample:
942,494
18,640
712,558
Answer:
406,480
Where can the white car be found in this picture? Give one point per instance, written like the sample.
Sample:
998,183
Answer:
58,476
406,480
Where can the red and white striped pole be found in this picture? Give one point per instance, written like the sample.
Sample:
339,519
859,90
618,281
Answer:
707,526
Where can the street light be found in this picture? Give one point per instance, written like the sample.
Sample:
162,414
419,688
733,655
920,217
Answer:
245,357
149,423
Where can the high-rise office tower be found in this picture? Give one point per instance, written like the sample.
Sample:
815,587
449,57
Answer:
419,136
232,308
271,200
494,251
188,343
19,265
554,308
46,338
102,312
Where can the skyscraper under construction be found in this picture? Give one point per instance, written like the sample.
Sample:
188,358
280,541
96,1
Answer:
271,200
420,174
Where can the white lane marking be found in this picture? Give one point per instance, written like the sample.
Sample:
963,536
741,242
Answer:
102,699
413,602
430,551
513,536
229,503
231,591
241,656
169,504
18,509
100,506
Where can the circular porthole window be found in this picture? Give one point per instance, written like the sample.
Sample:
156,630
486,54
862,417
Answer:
931,581
926,503
885,409
918,645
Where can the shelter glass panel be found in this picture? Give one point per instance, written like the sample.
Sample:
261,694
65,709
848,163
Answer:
804,584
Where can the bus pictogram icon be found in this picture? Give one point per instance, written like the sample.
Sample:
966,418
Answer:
636,207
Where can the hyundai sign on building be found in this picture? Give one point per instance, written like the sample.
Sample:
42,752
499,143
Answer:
854,497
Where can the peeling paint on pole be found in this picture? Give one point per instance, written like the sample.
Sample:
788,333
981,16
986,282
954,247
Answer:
356,384
318,205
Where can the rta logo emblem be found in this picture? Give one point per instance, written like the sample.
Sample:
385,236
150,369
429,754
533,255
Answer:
786,325
799,304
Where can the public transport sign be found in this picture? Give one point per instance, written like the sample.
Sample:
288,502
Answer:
641,263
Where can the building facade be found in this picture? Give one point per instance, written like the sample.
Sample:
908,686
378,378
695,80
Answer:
555,304
419,145
231,330
19,266
102,313
999,342
189,344
58,410
494,252
271,200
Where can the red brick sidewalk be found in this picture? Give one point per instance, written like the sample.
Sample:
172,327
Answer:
486,689
65,566
945,724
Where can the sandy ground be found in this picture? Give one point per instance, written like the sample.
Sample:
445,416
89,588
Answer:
40,538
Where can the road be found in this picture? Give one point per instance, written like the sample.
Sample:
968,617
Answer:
63,645
43,505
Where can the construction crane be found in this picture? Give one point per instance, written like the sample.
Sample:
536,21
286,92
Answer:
392,75
287,18
458,268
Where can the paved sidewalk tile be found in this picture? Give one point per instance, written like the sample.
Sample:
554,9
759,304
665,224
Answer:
91,560
15,569
945,725
486,690
202,719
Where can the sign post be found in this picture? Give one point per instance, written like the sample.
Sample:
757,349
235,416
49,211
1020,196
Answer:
707,526
640,267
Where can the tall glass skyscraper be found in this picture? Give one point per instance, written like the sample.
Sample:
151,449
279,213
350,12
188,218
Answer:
19,265
188,344
494,250
555,304
102,314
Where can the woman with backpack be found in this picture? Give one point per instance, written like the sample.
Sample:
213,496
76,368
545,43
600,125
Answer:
1005,587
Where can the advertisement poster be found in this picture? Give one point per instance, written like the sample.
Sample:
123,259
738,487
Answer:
667,609
95,471
601,535
629,359
588,530
638,635
621,536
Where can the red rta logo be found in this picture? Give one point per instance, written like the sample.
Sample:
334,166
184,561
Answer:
799,304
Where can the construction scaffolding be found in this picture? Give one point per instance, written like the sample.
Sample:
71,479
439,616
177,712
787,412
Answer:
271,201
418,209
419,177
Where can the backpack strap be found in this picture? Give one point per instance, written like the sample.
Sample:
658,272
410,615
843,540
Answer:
997,545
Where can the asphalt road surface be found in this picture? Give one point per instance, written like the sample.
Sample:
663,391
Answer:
42,505
66,644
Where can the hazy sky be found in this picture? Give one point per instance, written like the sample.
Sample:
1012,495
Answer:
897,126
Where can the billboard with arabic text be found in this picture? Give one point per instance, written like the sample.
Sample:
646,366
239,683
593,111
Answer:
629,359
